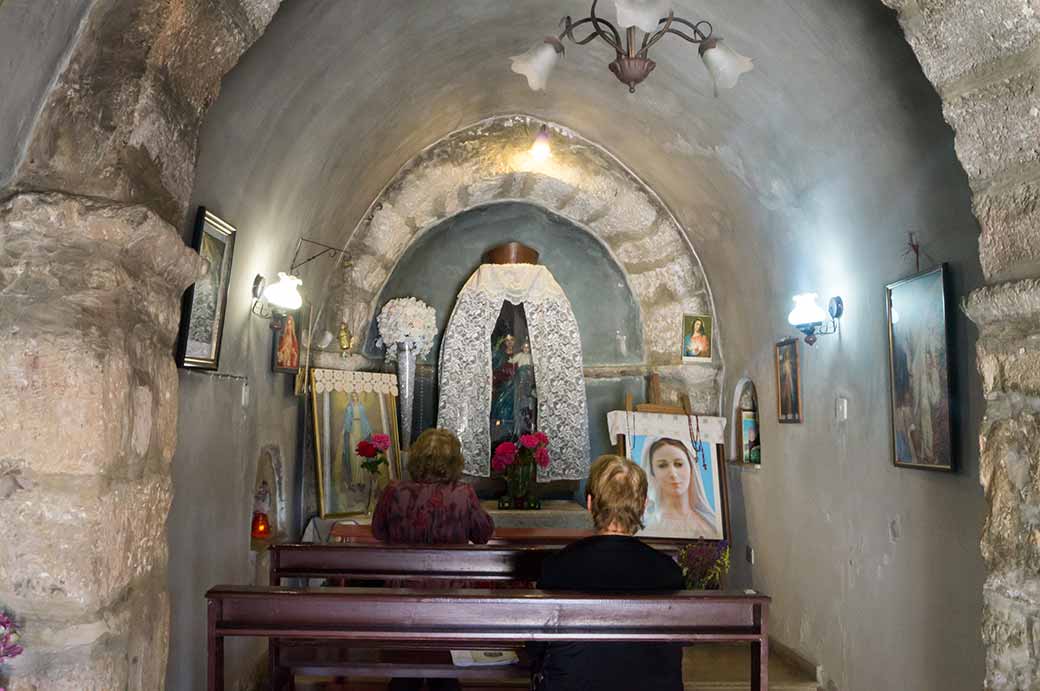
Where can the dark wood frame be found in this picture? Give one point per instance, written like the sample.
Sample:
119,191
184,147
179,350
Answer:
392,618
203,217
950,381
797,381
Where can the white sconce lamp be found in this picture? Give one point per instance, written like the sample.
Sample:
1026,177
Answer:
811,320
538,62
644,14
540,150
284,294
724,65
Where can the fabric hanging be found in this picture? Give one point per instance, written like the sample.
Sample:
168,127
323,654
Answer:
465,367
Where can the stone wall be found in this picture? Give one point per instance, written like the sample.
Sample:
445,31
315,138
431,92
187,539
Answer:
97,171
90,415
982,59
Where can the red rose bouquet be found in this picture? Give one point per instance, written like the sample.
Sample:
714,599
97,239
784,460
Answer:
373,450
517,462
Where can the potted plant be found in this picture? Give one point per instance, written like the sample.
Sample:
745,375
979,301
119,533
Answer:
704,563
517,462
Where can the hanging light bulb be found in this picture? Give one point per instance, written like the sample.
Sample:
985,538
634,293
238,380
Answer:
540,150
644,14
724,64
538,63
806,312
284,293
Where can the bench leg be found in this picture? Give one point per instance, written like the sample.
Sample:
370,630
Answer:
760,652
277,673
215,649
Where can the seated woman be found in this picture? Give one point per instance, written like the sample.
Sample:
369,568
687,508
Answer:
611,560
434,508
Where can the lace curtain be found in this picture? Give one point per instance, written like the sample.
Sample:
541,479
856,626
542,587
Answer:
465,367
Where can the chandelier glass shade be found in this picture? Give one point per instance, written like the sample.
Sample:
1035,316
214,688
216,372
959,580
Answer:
642,24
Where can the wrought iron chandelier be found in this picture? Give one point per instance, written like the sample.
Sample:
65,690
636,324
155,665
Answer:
644,22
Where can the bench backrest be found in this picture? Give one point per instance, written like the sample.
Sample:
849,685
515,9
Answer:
410,562
484,616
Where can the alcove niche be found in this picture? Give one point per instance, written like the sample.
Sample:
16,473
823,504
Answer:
435,267
745,400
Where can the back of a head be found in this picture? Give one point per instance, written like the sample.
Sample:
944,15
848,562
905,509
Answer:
436,456
617,487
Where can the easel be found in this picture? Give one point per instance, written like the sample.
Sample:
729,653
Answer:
655,406
685,409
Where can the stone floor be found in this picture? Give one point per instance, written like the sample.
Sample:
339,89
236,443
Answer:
705,668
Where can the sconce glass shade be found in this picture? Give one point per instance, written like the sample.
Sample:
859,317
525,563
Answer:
644,14
538,63
724,65
806,311
285,293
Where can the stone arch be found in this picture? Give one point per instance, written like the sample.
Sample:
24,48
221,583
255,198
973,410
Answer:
488,162
988,90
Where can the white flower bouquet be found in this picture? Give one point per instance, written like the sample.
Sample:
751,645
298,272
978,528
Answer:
407,320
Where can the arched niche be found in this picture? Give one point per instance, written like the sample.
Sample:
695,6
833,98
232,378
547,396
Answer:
488,163
745,398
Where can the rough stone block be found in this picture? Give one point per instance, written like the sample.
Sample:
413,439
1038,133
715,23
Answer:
102,667
1009,247
1006,311
80,385
72,546
954,37
997,126
1014,368
1011,633
1010,473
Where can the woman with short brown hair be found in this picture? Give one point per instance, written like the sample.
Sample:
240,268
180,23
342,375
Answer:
435,507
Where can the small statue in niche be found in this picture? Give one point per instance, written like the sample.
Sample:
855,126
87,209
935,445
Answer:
513,393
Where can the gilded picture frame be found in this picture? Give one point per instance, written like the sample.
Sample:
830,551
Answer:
349,407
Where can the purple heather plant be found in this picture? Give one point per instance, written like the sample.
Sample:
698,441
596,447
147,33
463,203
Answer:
704,563
8,640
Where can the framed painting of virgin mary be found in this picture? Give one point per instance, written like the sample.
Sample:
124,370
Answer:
682,458
348,408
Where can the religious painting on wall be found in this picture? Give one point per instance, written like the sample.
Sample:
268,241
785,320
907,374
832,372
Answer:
350,408
514,396
788,382
752,451
285,348
919,369
682,457
696,338
202,307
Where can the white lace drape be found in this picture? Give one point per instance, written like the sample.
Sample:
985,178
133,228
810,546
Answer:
465,367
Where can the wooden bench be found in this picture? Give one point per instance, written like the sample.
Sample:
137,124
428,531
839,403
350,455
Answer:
386,619
407,562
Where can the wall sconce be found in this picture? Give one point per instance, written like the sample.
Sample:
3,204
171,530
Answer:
811,320
284,295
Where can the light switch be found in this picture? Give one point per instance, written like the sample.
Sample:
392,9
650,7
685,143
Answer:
750,554
841,409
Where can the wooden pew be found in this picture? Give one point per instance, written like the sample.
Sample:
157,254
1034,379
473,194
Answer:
388,618
407,562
